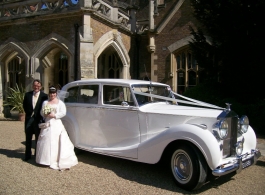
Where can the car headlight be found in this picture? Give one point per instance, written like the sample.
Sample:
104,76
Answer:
239,148
221,128
243,124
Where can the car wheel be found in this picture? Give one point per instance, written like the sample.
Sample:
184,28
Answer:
188,168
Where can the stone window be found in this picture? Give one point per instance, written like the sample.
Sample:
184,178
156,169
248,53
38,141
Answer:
14,72
187,70
109,65
63,69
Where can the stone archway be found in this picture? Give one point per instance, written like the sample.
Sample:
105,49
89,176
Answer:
14,66
10,51
53,57
109,64
110,46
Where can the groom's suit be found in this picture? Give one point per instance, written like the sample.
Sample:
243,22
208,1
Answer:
32,119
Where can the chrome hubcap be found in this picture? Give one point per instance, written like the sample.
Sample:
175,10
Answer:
181,166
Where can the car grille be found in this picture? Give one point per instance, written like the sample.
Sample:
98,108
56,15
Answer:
231,139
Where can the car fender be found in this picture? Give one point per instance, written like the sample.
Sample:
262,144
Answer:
151,150
250,140
71,126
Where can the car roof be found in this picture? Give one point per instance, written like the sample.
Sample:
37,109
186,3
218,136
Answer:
112,81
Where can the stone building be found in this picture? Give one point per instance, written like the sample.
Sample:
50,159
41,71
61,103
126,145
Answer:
58,41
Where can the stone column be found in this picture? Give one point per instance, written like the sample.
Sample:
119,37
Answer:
1,89
87,64
151,14
172,73
132,20
114,12
125,72
86,3
151,46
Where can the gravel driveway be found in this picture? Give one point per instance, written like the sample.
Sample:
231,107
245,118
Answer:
97,174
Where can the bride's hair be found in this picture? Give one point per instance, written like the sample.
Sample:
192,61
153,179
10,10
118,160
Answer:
52,89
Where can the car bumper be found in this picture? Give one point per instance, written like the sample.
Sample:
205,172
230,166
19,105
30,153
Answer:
238,164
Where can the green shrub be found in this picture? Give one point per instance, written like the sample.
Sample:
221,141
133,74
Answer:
15,97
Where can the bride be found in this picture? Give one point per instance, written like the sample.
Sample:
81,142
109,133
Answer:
54,147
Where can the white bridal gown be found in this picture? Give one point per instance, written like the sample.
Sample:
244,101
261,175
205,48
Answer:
54,148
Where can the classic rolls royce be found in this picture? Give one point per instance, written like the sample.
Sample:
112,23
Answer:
147,122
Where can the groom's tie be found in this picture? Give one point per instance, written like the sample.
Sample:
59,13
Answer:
35,99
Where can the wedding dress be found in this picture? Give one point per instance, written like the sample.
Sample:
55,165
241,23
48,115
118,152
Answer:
54,148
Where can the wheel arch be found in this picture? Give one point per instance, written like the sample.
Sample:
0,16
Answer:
201,166
201,139
177,143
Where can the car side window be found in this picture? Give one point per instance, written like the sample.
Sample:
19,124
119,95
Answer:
115,95
73,93
88,94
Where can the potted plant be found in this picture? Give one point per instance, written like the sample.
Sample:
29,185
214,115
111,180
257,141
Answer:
14,100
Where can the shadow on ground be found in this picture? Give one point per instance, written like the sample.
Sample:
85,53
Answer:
261,163
18,153
157,175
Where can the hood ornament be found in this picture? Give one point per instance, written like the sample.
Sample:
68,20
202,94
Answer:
228,106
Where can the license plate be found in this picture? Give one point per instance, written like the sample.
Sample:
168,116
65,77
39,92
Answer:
247,163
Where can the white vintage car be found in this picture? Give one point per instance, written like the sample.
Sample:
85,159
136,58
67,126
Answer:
146,121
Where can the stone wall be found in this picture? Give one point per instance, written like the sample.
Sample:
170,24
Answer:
176,30
32,30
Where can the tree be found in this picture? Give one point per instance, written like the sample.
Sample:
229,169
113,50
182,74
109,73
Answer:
235,56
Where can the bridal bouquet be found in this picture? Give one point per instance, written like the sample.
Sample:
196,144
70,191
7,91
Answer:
47,109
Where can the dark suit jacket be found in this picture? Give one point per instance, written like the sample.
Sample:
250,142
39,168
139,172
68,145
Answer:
28,107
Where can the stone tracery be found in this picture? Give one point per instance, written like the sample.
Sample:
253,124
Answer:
26,8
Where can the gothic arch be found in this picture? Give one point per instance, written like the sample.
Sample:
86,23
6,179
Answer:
7,52
52,43
48,43
113,39
183,42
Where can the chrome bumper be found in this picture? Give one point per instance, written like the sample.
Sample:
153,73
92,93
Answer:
238,164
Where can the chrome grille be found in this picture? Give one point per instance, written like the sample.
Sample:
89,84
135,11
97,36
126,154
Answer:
231,139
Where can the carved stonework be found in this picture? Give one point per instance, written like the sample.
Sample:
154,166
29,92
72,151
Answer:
26,8
101,8
151,48
142,25
115,3
123,20
34,6
106,10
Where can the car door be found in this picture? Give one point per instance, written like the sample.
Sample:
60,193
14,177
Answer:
108,127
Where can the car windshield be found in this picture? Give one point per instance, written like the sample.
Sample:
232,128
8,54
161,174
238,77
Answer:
160,90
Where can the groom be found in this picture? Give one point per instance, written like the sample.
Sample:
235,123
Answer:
32,104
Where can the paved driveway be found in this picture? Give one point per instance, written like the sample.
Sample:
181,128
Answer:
96,174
